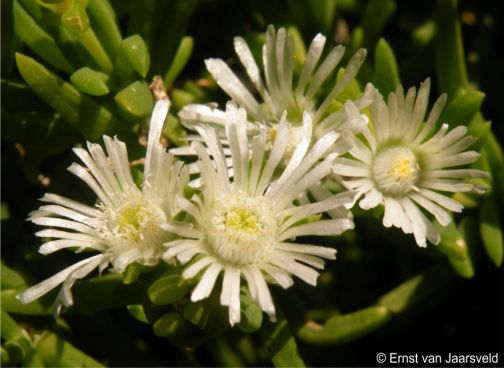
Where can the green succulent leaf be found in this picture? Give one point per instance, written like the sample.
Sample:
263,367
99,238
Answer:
17,344
167,289
178,330
180,60
10,278
136,100
463,108
208,315
491,230
386,71
376,16
251,313
56,352
450,63
418,289
104,23
90,81
452,243
76,18
280,345
344,328
137,312
468,228
133,55
41,42
85,115
169,31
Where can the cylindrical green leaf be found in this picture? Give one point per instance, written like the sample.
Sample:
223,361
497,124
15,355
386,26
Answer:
39,307
251,313
172,19
208,315
91,119
39,40
280,345
135,99
491,230
450,63
181,58
469,231
344,328
417,289
386,73
178,330
104,23
90,81
452,244
167,290
137,311
133,54
376,15
56,352
462,109
10,278
76,18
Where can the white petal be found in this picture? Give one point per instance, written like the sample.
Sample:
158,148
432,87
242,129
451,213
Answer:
70,203
319,228
228,81
314,250
195,268
156,126
206,283
47,285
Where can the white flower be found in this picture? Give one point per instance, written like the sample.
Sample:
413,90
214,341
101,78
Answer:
241,227
125,225
398,161
277,92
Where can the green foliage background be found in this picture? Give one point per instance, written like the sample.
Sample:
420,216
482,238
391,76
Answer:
81,69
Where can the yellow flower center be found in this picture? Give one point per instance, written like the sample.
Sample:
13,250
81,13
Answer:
130,216
402,170
395,171
240,229
242,219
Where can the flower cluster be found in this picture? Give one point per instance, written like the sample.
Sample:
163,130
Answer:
258,179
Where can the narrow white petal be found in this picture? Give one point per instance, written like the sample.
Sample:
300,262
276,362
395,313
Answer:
320,228
350,73
156,126
47,285
442,200
228,81
183,229
55,245
312,58
70,203
65,224
195,268
314,250
207,282
280,276
264,296
441,215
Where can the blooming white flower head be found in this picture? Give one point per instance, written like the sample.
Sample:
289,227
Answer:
278,91
125,225
398,161
241,227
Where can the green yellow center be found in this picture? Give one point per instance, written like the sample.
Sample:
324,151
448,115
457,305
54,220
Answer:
131,217
395,170
243,220
402,170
